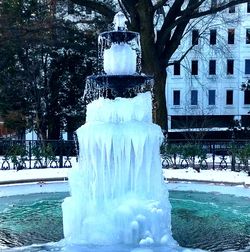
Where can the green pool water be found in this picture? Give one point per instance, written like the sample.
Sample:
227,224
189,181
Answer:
209,221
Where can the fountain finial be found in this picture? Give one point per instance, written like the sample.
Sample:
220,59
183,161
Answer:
120,21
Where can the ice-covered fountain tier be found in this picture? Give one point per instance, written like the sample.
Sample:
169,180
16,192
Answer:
119,66
117,192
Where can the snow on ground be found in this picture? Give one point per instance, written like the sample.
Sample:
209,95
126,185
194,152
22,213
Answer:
42,180
189,174
13,176
213,176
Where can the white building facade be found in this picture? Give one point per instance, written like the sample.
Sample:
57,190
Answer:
204,90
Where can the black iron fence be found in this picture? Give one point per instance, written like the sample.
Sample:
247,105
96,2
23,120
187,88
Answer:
197,154
204,154
20,154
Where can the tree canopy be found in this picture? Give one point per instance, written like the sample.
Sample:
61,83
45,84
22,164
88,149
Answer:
46,55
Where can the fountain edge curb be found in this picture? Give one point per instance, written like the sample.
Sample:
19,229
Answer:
171,180
177,180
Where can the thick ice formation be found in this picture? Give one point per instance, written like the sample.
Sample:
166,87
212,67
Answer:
119,59
117,194
121,110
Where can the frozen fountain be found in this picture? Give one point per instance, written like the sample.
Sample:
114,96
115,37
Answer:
117,192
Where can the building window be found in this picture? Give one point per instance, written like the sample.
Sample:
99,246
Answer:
194,97
230,38
230,67
212,37
247,66
194,67
248,7
177,68
229,97
212,67
195,37
248,36
176,97
211,97
247,97
213,3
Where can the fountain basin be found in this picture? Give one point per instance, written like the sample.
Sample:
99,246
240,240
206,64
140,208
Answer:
193,205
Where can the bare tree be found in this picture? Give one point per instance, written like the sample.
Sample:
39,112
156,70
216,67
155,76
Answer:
158,48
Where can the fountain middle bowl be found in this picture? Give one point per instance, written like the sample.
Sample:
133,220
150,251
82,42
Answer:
111,86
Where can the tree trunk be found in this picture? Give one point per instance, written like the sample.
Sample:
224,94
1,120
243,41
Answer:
40,127
159,99
152,64
54,127
152,61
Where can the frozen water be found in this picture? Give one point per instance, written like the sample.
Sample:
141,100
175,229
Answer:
120,21
117,193
121,110
119,59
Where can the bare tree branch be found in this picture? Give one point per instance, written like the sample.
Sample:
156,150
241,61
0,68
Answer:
176,17
165,33
160,4
213,10
182,56
99,7
129,5
125,12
